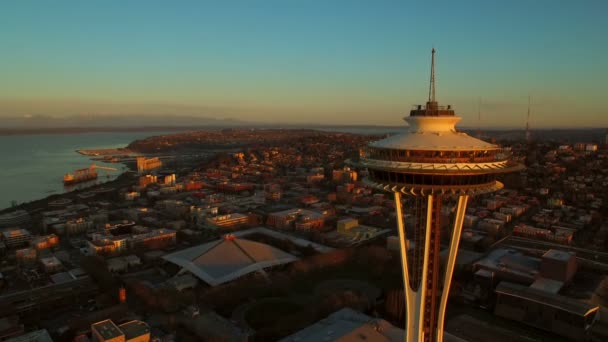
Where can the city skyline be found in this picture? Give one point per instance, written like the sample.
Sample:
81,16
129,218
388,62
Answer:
307,62
303,170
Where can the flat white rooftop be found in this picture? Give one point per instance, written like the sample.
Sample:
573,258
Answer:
433,141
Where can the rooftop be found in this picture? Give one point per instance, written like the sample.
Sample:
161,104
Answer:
107,329
279,235
221,261
449,140
134,329
228,217
464,256
545,298
154,233
33,336
16,232
348,325
50,261
511,261
298,211
62,277
547,285
558,255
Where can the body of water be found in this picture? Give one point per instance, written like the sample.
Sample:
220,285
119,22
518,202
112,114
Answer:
32,166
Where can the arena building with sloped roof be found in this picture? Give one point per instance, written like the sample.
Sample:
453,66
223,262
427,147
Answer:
218,262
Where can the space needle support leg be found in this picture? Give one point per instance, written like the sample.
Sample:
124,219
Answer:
411,334
449,267
421,293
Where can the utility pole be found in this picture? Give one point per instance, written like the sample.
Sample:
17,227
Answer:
528,135
479,118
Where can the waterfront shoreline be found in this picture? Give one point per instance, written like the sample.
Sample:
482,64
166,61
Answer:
105,152
34,166
42,203
122,179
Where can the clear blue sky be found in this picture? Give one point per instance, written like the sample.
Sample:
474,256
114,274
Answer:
306,61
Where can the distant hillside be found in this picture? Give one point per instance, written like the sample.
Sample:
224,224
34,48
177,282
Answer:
119,121
41,124
564,136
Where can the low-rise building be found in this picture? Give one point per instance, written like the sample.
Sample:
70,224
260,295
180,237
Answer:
510,265
78,226
106,331
558,314
32,336
350,325
173,208
131,195
26,256
156,239
315,178
16,237
470,221
235,187
146,180
563,236
135,331
296,218
506,218
103,247
558,265
14,218
169,179
116,265
123,263
514,210
230,221
183,282
192,185
145,164
591,148
354,232
51,264
491,226
45,242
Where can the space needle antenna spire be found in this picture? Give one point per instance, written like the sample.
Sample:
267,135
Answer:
432,82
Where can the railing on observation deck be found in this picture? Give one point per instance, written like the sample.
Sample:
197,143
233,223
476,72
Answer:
423,107
432,110
435,156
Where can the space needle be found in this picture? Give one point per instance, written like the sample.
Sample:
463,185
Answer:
428,162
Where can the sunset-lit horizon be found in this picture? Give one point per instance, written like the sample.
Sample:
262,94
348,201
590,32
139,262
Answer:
338,62
303,170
